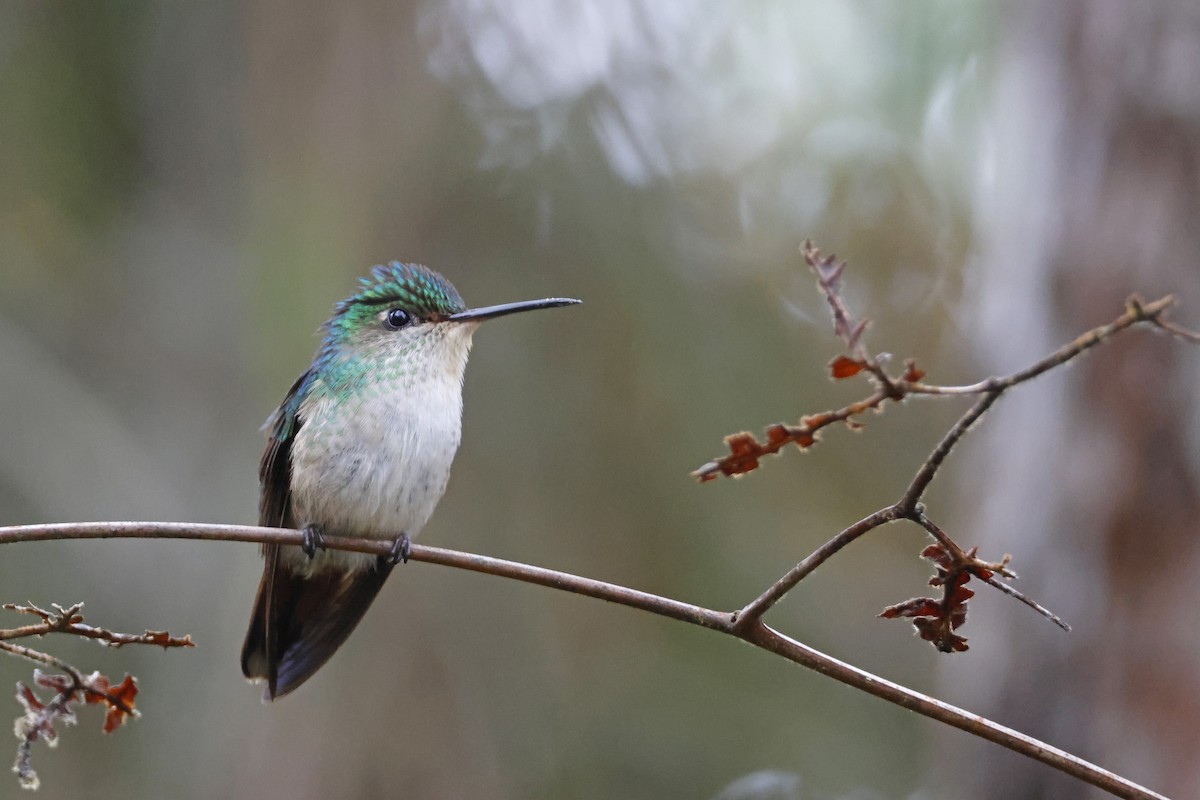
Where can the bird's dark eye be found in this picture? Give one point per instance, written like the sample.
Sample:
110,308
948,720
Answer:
397,318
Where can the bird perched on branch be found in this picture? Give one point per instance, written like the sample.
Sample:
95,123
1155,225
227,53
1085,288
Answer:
360,446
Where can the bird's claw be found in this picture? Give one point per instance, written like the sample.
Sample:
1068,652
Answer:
313,539
401,550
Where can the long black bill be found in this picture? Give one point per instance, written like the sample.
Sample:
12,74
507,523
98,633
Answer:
490,312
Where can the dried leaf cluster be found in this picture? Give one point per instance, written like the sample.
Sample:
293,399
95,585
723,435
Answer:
41,717
936,619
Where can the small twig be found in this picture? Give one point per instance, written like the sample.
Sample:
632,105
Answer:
39,657
70,621
1179,331
1136,312
846,327
910,500
1016,594
753,611
829,278
919,516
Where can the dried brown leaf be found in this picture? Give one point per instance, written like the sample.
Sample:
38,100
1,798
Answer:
913,607
120,700
912,373
846,367
937,619
778,435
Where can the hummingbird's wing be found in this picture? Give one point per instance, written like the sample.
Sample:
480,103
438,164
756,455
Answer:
299,621
275,467
260,652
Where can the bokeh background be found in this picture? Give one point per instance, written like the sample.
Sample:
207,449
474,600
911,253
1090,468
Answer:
185,190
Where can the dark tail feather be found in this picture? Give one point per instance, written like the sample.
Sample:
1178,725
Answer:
299,623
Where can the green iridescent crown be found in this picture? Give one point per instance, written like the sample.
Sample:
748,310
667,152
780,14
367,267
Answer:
411,286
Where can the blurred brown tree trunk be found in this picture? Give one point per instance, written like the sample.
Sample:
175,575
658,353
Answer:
1100,105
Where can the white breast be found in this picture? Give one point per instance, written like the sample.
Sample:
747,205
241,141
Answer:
376,464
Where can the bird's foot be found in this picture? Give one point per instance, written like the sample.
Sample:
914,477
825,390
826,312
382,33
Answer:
313,539
401,550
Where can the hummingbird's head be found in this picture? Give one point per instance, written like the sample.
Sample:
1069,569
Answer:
410,322
394,297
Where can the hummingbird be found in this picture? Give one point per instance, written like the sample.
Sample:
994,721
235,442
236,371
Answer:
360,446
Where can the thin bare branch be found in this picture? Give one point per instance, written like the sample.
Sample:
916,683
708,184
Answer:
70,621
919,516
754,610
432,555
1136,312
1017,594
770,639
38,657
928,470
1179,331
758,634
907,507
